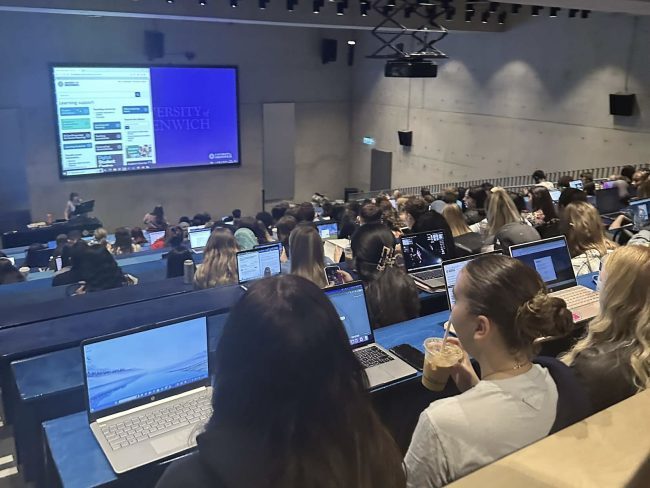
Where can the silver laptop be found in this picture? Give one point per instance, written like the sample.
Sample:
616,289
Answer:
328,229
258,263
146,397
382,366
551,259
199,239
154,236
424,253
450,270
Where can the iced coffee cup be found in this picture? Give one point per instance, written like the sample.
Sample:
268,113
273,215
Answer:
438,363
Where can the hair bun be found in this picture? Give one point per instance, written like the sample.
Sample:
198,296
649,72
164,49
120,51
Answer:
542,316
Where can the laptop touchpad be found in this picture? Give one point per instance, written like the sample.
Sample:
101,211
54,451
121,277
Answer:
183,439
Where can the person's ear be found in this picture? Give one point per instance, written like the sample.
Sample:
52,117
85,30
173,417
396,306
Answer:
482,328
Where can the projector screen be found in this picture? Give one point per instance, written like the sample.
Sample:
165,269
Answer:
124,119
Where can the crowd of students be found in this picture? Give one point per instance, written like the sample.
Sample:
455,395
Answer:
318,427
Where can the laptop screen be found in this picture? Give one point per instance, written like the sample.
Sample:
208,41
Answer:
329,230
577,184
451,269
555,195
425,250
199,238
350,303
154,236
145,363
608,201
258,263
551,259
640,212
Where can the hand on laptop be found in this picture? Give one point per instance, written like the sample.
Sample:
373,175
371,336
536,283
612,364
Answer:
463,373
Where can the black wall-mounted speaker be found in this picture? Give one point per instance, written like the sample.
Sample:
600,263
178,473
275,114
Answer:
622,104
328,50
405,137
154,45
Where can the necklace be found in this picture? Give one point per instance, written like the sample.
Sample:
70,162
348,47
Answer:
516,367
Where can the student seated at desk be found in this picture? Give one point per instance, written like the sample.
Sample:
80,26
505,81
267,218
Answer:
419,218
155,220
178,254
99,271
124,242
505,225
613,359
8,272
71,273
474,201
219,265
100,236
585,237
463,236
137,236
501,308
284,227
307,254
391,293
293,410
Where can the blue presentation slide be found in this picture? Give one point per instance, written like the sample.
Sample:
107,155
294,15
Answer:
350,303
146,363
114,119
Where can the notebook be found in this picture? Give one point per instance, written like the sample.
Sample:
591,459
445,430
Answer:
424,253
551,259
381,366
146,397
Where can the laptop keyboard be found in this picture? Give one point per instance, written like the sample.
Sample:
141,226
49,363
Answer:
372,356
430,275
157,422
578,297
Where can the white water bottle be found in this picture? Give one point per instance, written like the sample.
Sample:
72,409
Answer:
188,271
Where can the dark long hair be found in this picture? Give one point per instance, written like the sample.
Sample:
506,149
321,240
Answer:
123,241
318,428
541,200
392,295
9,273
99,270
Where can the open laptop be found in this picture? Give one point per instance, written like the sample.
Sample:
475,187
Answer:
640,210
450,270
577,184
199,239
424,253
154,236
328,230
608,202
258,263
555,195
551,259
147,398
381,365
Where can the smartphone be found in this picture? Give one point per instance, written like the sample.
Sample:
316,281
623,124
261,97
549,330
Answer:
333,277
59,263
409,354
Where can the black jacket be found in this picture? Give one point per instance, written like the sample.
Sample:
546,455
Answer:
605,375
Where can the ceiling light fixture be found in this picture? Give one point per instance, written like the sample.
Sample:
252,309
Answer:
534,10
485,17
585,14
554,11
573,12
502,17
515,8
494,6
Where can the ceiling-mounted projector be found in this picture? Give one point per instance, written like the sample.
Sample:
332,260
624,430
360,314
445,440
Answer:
411,68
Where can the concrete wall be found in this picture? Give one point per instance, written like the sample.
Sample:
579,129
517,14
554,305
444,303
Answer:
505,104
276,65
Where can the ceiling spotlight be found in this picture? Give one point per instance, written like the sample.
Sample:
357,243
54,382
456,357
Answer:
340,9
290,5
585,14
170,1
351,43
451,11
390,3
316,8
203,2
502,18
468,16
534,10
262,4
363,8
554,11
234,3
485,17
573,12
515,8
469,7
385,11
494,6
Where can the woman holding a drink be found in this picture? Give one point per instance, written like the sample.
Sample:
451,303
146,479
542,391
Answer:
501,307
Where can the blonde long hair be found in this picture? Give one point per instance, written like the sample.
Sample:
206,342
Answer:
307,254
624,319
501,210
219,261
585,230
456,220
